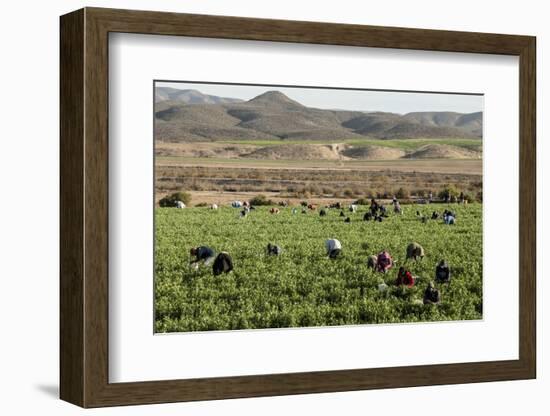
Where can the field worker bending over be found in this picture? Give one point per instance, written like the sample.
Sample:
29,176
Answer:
397,207
334,248
404,278
448,212
449,219
431,295
202,254
273,250
415,251
442,272
373,206
222,264
371,262
384,262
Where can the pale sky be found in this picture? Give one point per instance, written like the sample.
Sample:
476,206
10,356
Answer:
342,99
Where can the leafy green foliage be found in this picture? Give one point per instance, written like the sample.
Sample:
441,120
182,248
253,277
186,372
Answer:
302,287
260,200
402,193
449,191
170,200
362,201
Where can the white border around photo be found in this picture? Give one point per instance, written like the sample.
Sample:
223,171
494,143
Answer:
136,354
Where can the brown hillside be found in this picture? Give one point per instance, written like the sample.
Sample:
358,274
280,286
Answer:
443,151
273,115
297,152
373,153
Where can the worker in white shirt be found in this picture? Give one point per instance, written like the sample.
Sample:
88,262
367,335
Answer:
334,248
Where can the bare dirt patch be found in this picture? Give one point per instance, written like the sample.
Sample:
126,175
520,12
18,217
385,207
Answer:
298,152
373,153
444,151
202,150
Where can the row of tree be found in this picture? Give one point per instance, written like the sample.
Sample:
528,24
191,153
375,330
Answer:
449,193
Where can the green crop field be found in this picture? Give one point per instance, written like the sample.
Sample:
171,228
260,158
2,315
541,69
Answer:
302,287
405,144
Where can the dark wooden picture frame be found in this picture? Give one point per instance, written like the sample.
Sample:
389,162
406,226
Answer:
84,215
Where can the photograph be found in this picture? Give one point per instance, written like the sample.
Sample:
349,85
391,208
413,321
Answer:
282,206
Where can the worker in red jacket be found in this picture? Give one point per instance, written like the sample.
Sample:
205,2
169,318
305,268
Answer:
404,278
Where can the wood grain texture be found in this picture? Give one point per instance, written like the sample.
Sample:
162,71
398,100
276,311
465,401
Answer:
71,203
528,208
96,219
84,204
162,23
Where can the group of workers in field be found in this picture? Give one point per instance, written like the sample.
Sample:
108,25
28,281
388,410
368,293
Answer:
382,262
378,212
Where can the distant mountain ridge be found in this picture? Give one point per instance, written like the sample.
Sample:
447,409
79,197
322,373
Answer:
188,115
189,96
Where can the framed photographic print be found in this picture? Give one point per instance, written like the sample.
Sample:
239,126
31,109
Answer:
256,207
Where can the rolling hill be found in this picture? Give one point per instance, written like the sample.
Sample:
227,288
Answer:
190,116
189,96
311,151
